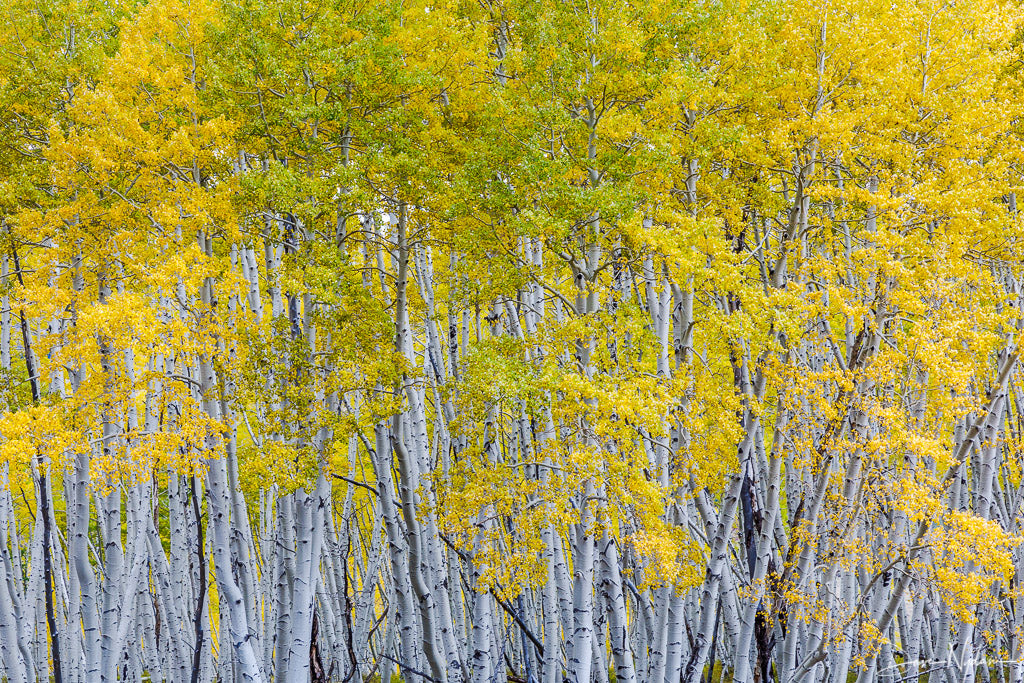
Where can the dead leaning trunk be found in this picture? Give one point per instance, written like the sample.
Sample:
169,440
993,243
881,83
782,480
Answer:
43,488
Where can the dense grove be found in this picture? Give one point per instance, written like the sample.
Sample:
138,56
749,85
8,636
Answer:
538,340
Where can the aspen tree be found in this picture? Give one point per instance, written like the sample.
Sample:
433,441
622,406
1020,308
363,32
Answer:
540,340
